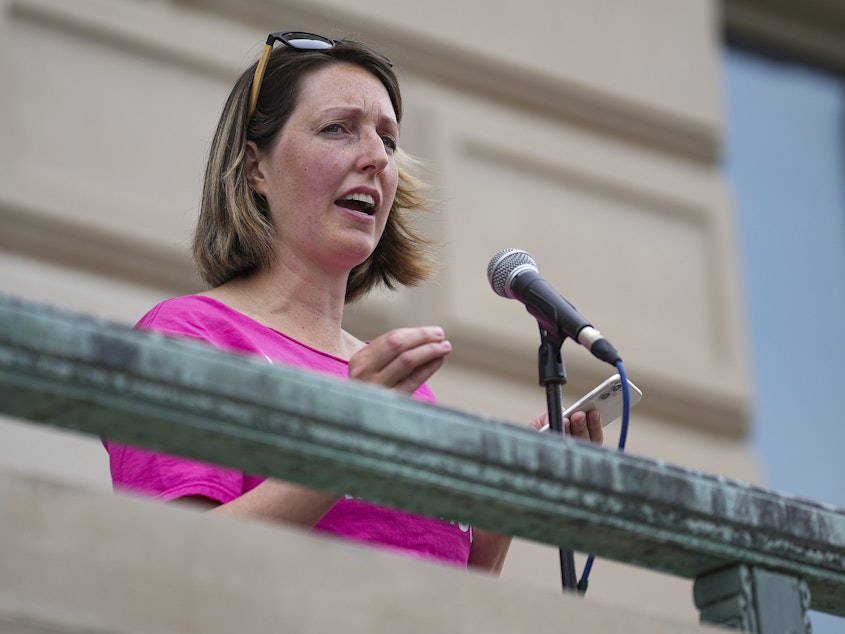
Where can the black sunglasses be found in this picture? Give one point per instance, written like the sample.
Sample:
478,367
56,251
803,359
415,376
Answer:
299,40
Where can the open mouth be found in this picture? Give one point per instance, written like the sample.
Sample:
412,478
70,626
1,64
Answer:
363,203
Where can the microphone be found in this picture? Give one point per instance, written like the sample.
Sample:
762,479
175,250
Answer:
512,273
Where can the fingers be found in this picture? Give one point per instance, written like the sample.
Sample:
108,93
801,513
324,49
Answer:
403,359
585,426
540,421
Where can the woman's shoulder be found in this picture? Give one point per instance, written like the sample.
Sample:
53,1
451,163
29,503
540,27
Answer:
215,322
179,308
191,315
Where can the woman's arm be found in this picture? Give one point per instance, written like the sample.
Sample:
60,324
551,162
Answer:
402,359
488,550
273,500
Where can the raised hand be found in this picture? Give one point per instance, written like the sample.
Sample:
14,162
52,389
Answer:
402,359
583,426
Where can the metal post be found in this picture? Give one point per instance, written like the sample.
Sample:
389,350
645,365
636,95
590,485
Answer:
753,599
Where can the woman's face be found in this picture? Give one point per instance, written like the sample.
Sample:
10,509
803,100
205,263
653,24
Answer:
330,178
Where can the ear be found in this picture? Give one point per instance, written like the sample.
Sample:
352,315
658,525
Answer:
254,168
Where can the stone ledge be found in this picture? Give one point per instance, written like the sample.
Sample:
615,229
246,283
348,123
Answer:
75,560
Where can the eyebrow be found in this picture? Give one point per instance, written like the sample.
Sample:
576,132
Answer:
359,112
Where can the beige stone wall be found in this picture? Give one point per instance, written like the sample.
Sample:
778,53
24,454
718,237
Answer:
585,133
76,561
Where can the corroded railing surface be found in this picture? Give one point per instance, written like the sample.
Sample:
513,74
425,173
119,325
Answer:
758,557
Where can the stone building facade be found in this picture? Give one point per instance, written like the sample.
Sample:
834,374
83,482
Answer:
587,133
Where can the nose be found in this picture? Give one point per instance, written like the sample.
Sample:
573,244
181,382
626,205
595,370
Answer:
374,155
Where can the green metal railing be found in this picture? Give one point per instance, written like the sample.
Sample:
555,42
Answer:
760,560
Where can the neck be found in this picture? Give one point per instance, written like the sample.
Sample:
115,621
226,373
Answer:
308,307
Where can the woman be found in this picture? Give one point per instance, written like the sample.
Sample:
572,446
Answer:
304,210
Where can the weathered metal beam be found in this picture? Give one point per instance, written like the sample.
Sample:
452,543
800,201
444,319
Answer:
183,397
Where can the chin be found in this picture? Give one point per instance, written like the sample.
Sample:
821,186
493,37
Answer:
357,256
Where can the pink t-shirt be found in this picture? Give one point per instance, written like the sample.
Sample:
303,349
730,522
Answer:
167,477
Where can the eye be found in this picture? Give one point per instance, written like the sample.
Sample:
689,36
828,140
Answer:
333,128
389,142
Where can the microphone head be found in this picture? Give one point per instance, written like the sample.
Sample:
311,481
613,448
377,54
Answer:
505,266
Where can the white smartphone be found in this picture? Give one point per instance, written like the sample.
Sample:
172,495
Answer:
605,397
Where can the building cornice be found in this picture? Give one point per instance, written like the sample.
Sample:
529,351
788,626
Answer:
812,30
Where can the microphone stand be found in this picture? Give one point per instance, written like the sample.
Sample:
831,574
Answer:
553,376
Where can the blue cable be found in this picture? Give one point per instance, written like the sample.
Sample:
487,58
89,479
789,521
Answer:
626,405
623,437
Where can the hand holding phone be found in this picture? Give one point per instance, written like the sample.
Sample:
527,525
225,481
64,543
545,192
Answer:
605,397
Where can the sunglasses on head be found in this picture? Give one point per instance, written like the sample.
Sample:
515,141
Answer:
299,40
